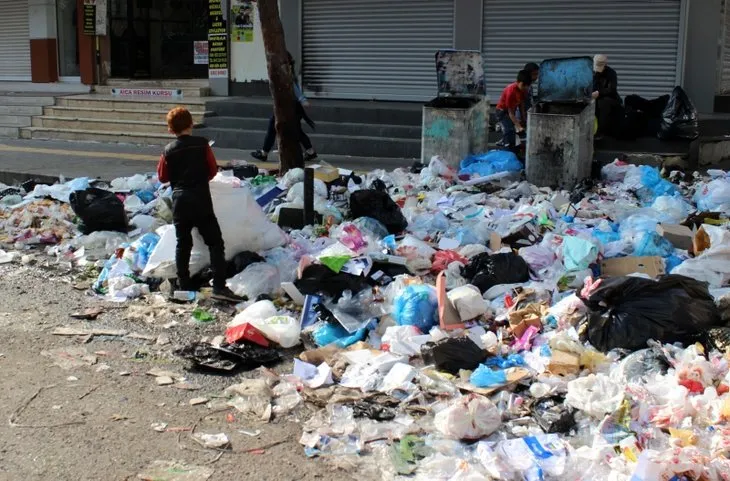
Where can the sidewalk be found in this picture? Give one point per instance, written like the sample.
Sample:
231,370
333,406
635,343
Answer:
46,160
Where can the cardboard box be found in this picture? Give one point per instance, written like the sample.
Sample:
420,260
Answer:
326,173
520,324
495,242
624,266
564,363
448,315
679,236
700,242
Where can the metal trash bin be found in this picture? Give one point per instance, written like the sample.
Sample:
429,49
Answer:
455,123
559,151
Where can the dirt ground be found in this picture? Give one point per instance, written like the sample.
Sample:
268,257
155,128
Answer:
90,422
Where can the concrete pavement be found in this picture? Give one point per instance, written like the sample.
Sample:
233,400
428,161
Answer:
45,160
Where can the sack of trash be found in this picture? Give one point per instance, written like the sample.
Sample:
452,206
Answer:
99,210
243,224
679,119
379,206
627,312
468,417
486,271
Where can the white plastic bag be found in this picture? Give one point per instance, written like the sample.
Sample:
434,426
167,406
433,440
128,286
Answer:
615,171
256,279
595,394
243,224
468,302
256,312
469,417
283,330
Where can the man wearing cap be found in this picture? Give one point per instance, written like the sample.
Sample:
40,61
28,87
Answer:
605,91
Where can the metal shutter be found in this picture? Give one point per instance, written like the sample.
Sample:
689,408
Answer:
14,40
641,39
374,49
724,84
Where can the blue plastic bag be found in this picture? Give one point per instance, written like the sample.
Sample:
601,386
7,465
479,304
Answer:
416,306
652,244
653,185
336,334
483,376
143,248
606,237
145,195
490,163
671,262
513,360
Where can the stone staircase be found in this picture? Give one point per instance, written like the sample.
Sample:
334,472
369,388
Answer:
17,111
103,117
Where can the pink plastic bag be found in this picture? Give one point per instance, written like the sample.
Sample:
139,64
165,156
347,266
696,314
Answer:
442,259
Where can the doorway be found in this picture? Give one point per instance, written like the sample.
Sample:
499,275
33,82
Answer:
68,42
154,39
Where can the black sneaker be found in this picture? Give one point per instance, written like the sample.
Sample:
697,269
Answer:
225,294
260,155
310,157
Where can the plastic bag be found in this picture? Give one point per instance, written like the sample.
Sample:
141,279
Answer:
713,196
99,210
652,244
416,306
673,208
615,171
256,279
379,206
468,417
373,226
486,271
535,458
490,163
329,333
679,119
538,257
453,354
595,394
484,376
256,312
442,259
648,183
626,312
283,330
468,302
243,224
578,253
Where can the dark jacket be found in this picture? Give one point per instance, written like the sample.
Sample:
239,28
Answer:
187,163
606,83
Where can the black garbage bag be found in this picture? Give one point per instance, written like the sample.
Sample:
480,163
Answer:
378,205
486,271
453,354
679,119
553,415
378,412
321,280
626,312
644,364
241,261
99,210
229,358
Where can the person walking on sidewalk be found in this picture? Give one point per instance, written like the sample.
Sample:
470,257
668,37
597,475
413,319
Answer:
301,103
188,164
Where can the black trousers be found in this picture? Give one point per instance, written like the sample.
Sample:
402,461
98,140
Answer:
609,112
194,210
271,132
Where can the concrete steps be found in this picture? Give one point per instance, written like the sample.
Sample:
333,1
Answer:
366,129
330,128
16,112
106,125
118,114
139,138
105,118
380,147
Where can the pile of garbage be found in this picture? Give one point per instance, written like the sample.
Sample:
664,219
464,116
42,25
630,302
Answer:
448,325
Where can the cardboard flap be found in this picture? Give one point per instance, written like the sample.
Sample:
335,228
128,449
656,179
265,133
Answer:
448,316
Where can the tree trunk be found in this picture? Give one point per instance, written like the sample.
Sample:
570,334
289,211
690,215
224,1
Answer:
281,86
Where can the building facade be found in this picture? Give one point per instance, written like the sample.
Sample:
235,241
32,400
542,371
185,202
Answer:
369,49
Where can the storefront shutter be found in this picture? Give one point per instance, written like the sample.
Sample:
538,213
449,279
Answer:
724,83
14,40
641,39
374,49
